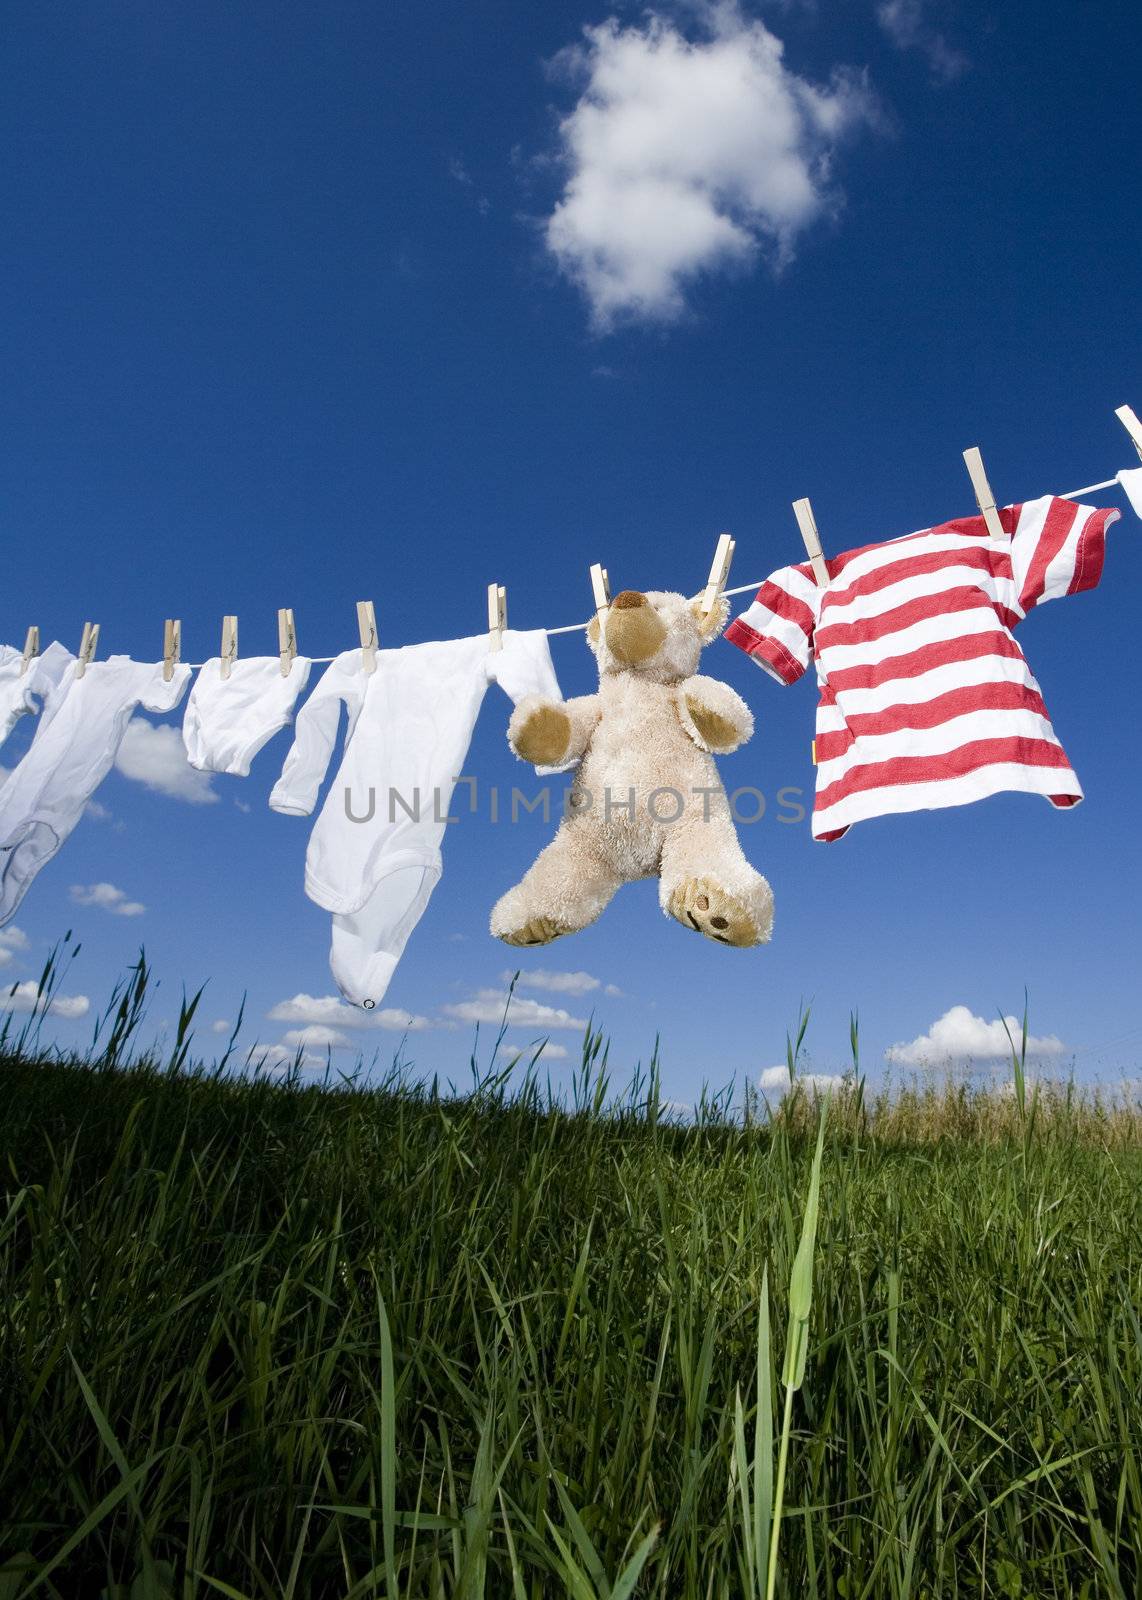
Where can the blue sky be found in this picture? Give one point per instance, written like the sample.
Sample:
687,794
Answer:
309,303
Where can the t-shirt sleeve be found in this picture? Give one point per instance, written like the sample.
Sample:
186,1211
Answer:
161,694
1058,548
776,631
524,666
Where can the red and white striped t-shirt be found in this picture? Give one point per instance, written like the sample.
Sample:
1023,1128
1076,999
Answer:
926,699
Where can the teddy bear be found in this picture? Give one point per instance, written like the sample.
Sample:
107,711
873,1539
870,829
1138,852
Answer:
646,800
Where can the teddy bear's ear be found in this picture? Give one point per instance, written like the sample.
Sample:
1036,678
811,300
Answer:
593,629
711,623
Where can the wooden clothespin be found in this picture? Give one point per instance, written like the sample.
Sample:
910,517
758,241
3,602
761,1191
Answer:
719,572
87,646
172,646
601,589
229,651
287,641
1130,422
803,511
984,498
31,649
497,615
367,627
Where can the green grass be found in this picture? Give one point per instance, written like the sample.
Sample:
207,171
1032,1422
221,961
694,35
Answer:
260,1338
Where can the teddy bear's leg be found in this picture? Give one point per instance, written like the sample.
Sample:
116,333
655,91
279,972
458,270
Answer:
566,887
707,884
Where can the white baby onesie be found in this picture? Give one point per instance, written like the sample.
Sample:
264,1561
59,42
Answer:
374,853
20,690
228,720
73,751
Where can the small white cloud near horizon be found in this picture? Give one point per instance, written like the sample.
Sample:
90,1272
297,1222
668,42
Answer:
154,755
904,23
554,982
316,1036
546,1049
775,1080
108,897
220,1025
959,1037
276,1057
689,155
23,997
488,1005
332,1010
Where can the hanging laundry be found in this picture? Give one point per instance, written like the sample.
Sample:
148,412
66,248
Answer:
925,697
228,720
73,751
20,690
1131,481
373,858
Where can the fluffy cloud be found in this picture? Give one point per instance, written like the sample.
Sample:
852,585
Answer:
331,1010
487,1005
155,756
906,25
775,1080
547,1049
276,1057
686,155
555,982
316,1037
11,940
959,1036
24,996
220,1025
108,898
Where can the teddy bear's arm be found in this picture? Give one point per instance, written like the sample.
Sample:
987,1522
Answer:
714,715
550,733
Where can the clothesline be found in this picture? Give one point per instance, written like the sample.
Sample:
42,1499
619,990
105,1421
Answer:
743,588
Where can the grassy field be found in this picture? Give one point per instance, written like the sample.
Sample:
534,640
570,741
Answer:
260,1338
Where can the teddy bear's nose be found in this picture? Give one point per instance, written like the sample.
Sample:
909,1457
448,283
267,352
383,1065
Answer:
628,600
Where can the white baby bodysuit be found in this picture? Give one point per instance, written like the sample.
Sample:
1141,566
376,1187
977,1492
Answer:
374,853
74,749
228,720
19,690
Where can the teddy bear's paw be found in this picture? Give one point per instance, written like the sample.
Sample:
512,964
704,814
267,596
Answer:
537,930
703,905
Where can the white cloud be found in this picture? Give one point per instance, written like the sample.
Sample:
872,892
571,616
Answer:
555,982
959,1036
775,1080
686,155
155,756
108,898
330,1009
220,1026
906,25
5,956
13,938
487,1005
24,996
317,1037
97,811
276,1057
547,1049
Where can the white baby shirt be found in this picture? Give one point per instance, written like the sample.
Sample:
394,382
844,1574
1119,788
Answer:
228,720
19,690
374,853
73,751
